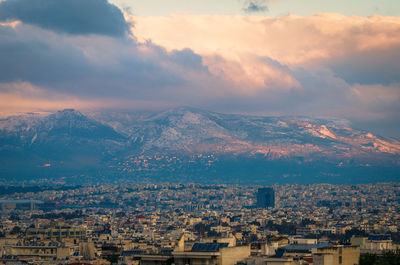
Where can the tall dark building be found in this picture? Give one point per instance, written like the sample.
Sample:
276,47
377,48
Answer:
265,198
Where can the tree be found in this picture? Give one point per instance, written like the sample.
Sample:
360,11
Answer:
201,228
387,258
15,230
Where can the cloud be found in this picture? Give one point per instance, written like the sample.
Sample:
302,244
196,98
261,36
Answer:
67,16
357,49
376,66
251,74
34,55
378,94
291,40
22,97
326,64
291,64
100,67
255,6
77,66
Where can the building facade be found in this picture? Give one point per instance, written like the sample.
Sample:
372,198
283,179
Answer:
265,198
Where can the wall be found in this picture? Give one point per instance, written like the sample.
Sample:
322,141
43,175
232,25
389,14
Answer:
230,256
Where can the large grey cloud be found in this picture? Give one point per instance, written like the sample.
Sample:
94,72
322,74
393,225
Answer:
30,57
92,64
95,66
369,67
68,16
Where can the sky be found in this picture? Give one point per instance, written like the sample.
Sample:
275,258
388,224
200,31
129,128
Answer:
272,8
278,57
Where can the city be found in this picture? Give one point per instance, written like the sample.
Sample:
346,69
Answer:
199,224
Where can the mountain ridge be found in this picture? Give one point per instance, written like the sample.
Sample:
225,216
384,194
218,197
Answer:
190,142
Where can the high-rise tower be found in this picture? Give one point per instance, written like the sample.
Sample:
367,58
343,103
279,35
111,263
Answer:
265,198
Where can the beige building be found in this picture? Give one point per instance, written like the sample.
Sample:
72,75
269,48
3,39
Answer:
336,255
282,241
373,244
37,253
231,240
211,253
56,231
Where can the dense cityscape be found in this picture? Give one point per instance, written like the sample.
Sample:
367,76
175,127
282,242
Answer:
162,224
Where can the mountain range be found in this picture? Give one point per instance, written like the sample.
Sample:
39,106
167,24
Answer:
192,145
